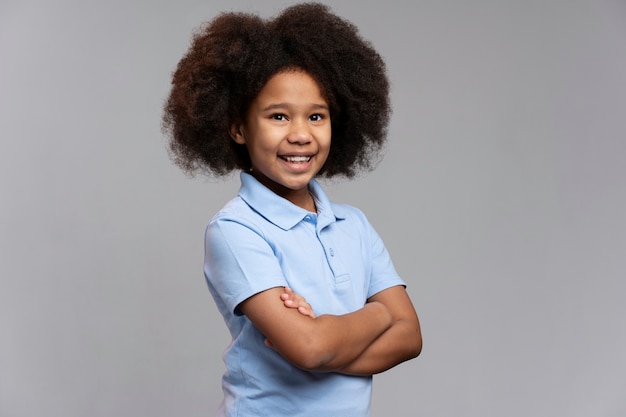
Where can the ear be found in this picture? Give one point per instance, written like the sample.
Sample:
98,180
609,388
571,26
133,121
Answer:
236,133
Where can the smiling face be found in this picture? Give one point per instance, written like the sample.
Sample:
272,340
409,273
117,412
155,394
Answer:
287,133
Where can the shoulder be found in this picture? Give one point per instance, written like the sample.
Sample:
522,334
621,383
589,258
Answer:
234,209
235,213
348,212
357,223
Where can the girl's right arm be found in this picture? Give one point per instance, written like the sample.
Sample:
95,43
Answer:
325,343
400,342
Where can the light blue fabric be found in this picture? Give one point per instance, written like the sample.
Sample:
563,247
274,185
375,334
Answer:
334,259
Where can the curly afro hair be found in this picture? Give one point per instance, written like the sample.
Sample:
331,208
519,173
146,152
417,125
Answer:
233,56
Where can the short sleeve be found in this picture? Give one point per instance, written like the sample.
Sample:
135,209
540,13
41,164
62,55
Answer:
239,262
383,274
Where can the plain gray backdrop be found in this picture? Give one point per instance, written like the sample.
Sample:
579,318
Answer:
501,197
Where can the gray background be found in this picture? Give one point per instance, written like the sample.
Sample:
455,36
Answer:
502,198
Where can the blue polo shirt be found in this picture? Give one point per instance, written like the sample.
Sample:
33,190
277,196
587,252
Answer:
333,258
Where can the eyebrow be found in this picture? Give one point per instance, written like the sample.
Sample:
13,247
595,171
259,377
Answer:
287,105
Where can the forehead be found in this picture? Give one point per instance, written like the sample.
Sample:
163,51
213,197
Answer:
296,86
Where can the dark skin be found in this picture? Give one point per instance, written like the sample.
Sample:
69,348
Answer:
234,55
213,85
290,119
381,335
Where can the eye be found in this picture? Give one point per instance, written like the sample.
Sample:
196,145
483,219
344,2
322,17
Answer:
316,117
278,116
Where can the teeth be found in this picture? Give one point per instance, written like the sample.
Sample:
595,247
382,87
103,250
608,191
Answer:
297,158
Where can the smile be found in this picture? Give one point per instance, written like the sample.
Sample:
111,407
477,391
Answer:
296,159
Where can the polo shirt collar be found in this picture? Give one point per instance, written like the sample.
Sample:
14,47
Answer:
281,211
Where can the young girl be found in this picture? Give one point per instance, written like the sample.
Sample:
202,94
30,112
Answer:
305,286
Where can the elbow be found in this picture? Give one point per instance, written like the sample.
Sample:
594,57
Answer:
313,353
313,357
313,363
416,345
412,337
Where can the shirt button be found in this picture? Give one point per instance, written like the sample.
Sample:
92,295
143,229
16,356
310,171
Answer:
332,252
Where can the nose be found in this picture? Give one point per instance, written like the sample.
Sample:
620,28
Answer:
299,132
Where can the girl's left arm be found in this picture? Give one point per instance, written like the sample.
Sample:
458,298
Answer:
401,342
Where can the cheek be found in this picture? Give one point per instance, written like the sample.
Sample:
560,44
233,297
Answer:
266,148
328,139
325,149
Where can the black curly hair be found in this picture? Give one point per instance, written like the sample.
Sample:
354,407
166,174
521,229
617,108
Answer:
233,56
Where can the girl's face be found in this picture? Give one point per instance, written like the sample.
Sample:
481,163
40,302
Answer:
287,133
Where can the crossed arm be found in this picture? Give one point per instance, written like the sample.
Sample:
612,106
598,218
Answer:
382,334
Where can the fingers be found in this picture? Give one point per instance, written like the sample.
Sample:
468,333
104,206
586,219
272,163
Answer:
293,300
306,311
288,294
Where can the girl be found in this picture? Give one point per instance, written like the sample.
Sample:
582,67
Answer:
305,286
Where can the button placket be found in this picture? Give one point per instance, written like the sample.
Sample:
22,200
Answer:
340,273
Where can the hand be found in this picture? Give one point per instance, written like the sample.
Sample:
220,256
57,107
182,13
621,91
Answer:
293,300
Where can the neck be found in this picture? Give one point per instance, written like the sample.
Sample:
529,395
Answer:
307,202
300,197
